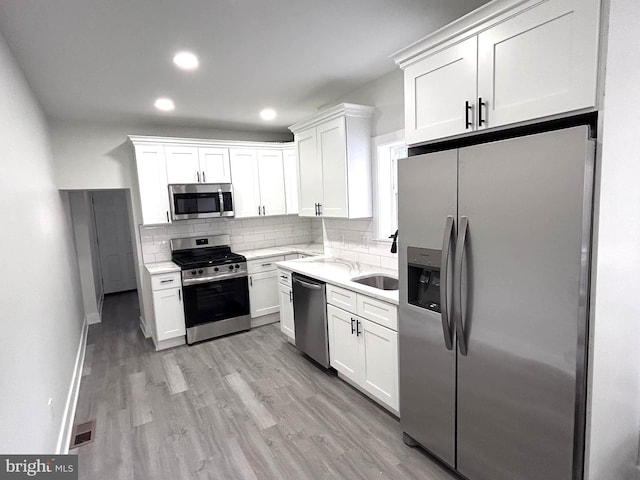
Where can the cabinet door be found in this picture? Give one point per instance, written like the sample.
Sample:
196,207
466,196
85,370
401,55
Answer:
271,181
152,182
183,164
214,165
290,180
169,313
379,362
263,293
436,89
343,344
246,193
286,312
540,62
309,173
332,149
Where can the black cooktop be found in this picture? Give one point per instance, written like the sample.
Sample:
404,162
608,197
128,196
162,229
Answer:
205,257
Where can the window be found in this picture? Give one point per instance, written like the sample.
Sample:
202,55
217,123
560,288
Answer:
387,150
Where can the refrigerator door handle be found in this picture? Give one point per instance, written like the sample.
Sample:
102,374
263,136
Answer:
457,283
444,294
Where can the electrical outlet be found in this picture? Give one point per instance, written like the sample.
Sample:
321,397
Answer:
342,240
364,240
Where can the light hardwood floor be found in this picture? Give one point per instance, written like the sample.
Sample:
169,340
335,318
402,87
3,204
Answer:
246,406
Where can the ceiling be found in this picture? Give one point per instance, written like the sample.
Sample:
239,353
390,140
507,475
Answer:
109,60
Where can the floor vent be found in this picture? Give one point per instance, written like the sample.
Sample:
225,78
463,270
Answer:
83,434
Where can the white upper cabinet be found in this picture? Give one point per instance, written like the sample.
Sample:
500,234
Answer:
246,189
258,182
183,164
540,62
187,164
507,62
152,183
214,164
440,92
334,163
309,173
271,181
289,160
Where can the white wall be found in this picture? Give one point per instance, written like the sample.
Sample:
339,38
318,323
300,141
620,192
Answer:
94,156
387,95
40,300
615,354
81,212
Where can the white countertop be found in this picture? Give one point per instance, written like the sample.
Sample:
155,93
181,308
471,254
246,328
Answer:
161,267
305,248
339,272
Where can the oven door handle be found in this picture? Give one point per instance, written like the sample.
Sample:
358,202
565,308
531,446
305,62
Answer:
197,281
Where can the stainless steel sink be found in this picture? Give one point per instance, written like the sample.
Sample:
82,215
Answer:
382,282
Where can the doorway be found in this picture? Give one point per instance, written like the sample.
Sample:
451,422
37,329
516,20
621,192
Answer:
114,240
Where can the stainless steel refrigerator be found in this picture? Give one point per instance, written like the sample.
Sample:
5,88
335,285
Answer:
494,275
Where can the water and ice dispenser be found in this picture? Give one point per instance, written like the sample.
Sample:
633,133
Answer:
424,277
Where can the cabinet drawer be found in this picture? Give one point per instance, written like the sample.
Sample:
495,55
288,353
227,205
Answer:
382,313
168,280
342,298
284,277
263,264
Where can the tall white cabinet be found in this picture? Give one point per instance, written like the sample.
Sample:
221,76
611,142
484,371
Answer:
505,63
334,163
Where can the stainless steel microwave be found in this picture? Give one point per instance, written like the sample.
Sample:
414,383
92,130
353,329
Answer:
201,200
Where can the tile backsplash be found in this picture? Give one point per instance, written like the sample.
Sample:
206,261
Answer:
246,233
349,239
355,240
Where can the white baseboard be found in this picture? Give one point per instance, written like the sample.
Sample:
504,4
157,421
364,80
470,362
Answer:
64,438
100,303
144,328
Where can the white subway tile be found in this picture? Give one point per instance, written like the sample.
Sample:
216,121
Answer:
369,259
163,257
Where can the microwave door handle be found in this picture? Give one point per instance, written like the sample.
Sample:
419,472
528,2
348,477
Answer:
221,197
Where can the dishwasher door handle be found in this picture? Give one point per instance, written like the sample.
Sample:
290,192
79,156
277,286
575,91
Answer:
307,284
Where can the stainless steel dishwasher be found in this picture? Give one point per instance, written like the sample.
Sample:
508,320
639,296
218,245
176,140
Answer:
310,318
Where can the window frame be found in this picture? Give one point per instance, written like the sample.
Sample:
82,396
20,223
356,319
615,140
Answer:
385,191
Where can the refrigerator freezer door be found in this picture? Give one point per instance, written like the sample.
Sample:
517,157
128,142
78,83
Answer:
426,197
528,204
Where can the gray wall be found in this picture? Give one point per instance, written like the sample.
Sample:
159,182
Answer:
42,315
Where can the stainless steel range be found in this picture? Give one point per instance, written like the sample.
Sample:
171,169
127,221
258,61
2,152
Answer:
214,286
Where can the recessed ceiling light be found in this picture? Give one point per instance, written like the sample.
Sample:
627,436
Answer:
165,104
186,60
268,114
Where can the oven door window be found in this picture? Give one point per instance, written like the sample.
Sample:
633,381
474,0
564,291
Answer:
190,203
215,301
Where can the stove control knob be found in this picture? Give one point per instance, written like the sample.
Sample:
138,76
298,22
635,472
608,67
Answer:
237,266
230,267
193,272
200,271
215,269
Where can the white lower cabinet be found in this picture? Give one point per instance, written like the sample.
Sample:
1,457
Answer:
363,351
263,293
343,343
286,311
169,313
167,316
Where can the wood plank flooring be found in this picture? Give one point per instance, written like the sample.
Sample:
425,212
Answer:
246,406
